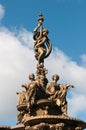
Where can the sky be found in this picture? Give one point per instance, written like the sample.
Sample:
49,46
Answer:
66,22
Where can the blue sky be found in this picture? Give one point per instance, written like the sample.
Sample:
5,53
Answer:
66,22
65,19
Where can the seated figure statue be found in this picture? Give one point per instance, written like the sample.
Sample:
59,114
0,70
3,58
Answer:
35,90
31,90
57,93
53,88
21,97
26,98
62,97
21,107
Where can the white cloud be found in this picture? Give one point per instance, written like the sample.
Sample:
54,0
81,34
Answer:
2,11
77,103
83,58
70,72
17,61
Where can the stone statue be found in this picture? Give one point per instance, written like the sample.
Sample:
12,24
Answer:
34,90
42,45
21,101
31,89
26,98
21,97
57,93
61,97
52,87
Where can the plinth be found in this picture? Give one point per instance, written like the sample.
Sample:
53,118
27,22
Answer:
54,123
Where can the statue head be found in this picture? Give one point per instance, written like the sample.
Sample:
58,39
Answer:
55,77
45,31
31,76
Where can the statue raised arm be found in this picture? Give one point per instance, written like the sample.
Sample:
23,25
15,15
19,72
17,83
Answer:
42,45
